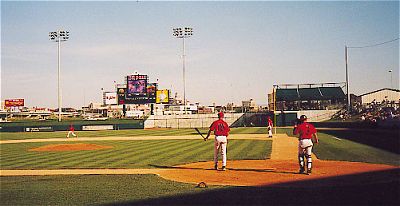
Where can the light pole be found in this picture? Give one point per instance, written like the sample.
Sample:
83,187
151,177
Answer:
59,36
183,33
347,79
391,79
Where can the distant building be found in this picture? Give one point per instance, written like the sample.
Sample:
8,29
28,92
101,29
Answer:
249,106
381,95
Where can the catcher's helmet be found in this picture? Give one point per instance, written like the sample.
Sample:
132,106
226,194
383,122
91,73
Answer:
303,117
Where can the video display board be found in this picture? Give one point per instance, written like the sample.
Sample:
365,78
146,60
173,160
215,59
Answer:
136,89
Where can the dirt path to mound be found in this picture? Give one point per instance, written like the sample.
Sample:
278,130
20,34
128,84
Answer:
280,170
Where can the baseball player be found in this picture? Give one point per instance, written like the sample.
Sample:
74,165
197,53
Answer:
269,128
71,131
307,135
221,132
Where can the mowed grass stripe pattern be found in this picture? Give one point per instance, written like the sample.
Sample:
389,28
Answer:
128,154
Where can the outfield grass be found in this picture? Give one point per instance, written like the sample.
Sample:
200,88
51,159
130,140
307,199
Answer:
128,154
89,189
346,148
131,132
330,148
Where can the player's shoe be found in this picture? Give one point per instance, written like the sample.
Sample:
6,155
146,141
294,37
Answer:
308,171
301,171
216,167
223,168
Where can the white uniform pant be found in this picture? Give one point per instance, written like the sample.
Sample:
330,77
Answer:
71,132
220,144
305,150
269,131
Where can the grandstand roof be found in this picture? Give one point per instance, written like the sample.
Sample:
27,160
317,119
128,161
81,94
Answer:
317,93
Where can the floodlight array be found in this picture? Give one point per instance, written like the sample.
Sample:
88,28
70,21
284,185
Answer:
182,32
59,35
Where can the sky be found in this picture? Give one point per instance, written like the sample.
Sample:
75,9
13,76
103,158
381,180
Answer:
238,50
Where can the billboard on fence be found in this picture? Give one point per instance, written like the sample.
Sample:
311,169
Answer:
162,96
14,103
97,127
151,92
110,98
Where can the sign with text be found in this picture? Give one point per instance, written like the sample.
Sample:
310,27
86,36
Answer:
110,98
14,103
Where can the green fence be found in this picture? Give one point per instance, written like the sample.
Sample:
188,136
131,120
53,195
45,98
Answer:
47,126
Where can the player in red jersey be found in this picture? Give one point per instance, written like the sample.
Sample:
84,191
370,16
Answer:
270,126
307,135
71,131
221,132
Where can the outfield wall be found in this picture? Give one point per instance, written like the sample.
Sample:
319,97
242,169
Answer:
188,121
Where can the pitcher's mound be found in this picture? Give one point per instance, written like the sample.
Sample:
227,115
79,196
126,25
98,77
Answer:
69,147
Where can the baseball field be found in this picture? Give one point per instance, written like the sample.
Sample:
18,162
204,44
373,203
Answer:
164,166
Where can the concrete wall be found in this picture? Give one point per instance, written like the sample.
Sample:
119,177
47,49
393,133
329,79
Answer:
317,115
187,121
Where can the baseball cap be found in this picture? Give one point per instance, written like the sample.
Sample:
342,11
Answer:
220,114
303,117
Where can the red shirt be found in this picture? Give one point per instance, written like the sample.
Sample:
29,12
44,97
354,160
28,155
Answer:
270,123
220,128
71,128
305,130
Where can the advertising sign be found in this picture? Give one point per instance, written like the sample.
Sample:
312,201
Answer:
151,92
110,98
97,127
121,95
14,102
162,96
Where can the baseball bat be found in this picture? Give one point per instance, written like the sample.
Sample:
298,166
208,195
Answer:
198,131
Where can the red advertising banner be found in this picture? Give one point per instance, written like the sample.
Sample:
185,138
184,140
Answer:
14,102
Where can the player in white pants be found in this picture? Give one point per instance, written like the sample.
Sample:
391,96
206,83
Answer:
221,131
220,145
270,126
307,133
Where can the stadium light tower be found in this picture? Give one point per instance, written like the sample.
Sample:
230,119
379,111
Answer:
391,79
59,36
183,33
347,78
